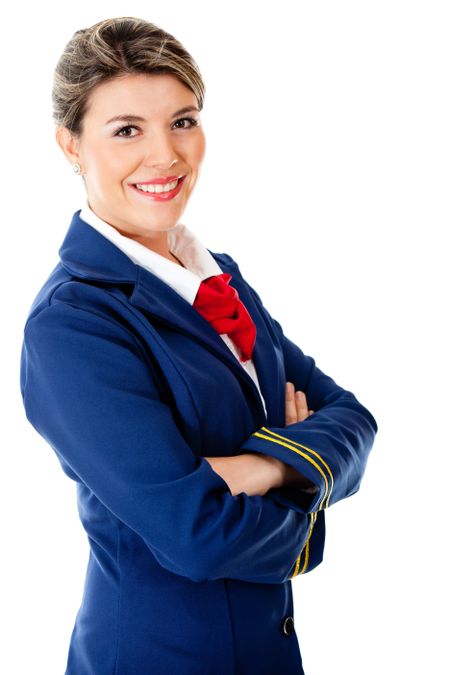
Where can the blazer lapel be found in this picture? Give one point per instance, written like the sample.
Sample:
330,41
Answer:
267,356
88,254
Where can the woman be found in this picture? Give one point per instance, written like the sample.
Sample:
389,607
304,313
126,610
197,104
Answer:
166,390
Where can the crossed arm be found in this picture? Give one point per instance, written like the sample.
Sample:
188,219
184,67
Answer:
255,473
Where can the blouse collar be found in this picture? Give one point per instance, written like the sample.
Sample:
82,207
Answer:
183,243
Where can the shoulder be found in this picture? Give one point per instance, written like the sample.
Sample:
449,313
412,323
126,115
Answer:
64,292
82,333
70,310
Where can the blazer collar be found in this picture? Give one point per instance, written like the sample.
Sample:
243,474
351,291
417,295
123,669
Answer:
87,254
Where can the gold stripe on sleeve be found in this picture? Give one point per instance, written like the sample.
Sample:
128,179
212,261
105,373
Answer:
290,444
305,549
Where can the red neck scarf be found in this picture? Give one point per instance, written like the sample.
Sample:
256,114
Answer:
220,304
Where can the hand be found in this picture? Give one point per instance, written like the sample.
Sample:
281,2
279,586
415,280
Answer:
250,472
296,405
256,473
296,411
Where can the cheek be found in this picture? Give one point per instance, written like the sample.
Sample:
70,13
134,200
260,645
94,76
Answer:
118,166
201,149
197,150
113,164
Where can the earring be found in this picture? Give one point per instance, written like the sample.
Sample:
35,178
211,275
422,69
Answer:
76,168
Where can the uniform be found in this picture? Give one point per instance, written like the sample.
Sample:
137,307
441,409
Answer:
131,387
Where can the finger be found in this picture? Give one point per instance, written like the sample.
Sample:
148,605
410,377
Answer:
301,405
291,409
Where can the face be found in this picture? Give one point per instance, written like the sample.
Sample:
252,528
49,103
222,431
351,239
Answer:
115,155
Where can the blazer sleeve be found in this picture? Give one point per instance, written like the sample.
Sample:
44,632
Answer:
89,391
330,447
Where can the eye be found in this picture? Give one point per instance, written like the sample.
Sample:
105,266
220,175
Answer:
192,120
119,132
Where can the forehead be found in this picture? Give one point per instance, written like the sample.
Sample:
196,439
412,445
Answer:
145,94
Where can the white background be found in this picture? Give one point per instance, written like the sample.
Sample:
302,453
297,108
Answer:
327,178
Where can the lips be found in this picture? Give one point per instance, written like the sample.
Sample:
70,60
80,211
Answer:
160,196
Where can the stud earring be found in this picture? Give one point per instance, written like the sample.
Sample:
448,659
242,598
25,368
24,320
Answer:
76,168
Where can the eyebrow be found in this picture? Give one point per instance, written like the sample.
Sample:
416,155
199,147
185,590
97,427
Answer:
137,118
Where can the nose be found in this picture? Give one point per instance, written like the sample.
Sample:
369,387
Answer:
161,153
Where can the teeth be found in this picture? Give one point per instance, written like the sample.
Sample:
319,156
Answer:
158,188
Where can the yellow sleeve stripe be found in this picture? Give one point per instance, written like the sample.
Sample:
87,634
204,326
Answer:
274,438
313,452
303,454
297,564
305,549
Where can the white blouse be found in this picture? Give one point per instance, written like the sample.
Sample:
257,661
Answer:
186,246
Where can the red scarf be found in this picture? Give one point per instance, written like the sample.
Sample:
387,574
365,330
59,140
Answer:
219,304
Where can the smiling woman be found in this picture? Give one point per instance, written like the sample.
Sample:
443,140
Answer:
167,390
125,165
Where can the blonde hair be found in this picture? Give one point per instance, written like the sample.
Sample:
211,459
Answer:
112,48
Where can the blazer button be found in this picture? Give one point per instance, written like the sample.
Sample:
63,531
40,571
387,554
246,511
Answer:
288,625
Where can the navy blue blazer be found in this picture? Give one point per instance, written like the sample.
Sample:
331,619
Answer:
131,387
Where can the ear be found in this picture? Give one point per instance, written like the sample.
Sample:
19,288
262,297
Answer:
68,143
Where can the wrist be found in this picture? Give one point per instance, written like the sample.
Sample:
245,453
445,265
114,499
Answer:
286,475
280,471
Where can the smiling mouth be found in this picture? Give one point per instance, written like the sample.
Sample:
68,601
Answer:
159,191
158,187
